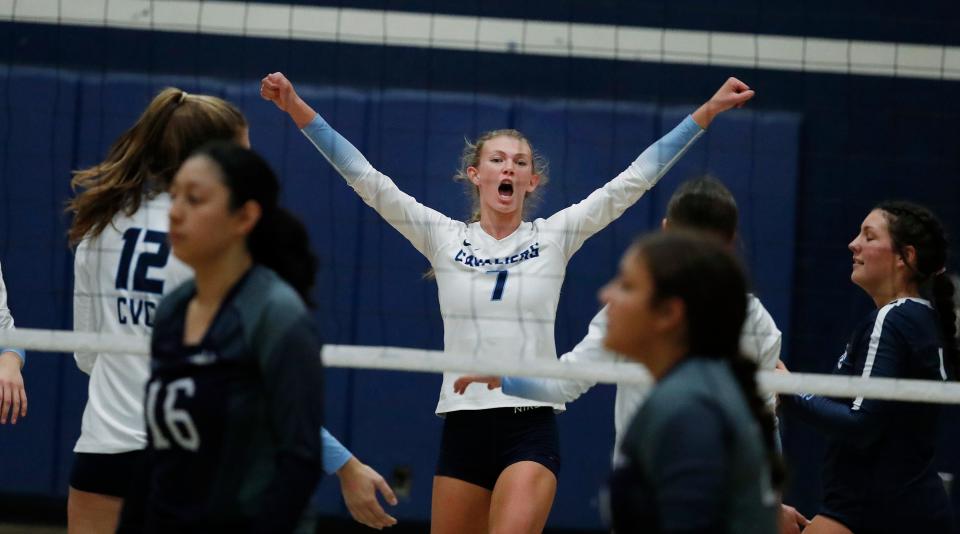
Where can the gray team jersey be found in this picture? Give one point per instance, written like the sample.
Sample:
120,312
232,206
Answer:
695,458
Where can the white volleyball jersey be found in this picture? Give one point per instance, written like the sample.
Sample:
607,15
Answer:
6,318
760,341
498,298
120,277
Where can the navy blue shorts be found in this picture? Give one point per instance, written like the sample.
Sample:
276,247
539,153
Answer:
477,445
106,474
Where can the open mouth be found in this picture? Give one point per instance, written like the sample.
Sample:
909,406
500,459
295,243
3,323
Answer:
505,190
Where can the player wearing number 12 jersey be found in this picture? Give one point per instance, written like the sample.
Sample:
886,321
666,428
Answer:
122,268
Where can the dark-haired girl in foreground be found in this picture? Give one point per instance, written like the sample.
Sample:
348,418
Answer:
699,455
879,474
235,397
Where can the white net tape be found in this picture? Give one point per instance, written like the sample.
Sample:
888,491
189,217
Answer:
432,361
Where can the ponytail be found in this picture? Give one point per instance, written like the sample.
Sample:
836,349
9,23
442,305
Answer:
745,371
943,301
916,226
143,160
280,241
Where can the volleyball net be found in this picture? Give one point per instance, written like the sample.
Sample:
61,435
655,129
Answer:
432,361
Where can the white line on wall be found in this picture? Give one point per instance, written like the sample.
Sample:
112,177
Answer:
498,35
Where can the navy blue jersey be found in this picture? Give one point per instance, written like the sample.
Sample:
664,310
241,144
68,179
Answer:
233,441
878,475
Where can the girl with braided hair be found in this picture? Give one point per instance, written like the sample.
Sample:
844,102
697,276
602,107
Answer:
879,474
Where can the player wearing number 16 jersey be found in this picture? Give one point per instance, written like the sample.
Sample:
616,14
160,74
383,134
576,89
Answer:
235,396
122,267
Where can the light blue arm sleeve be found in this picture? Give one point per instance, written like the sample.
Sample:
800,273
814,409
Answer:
573,225
19,352
590,349
425,228
335,455
344,157
533,389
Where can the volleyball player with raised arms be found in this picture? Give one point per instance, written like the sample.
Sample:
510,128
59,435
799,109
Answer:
122,267
13,394
879,473
499,281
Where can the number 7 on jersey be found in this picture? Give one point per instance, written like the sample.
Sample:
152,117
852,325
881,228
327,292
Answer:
501,281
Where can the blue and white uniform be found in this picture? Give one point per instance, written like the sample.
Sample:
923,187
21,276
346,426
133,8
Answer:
760,341
879,474
120,277
498,298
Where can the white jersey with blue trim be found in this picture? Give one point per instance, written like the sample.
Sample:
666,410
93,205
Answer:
6,318
498,298
120,276
760,341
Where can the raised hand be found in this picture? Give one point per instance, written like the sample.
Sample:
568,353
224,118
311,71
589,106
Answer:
460,386
276,88
732,94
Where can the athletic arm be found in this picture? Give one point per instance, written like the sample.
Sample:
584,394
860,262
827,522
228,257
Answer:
862,420
422,226
13,395
575,224
335,455
833,417
6,322
590,349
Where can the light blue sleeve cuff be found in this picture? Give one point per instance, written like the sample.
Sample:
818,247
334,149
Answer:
687,130
335,455
528,388
19,352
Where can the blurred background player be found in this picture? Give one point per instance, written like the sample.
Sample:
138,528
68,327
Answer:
699,455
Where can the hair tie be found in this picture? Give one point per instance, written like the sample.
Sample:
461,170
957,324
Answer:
183,96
